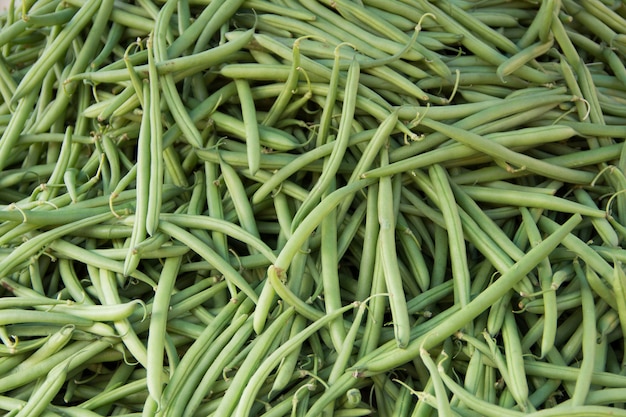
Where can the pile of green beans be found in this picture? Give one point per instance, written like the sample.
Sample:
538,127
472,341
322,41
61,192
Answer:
313,208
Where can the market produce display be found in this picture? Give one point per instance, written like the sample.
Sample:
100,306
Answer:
313,208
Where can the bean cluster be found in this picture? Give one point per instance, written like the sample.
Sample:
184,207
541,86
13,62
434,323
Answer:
313,208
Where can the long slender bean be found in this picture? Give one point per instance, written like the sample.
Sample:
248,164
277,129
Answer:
339,149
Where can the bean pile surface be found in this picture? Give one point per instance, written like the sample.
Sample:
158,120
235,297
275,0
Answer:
313,208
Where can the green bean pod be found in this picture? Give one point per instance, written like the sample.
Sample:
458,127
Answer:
43,395
341,144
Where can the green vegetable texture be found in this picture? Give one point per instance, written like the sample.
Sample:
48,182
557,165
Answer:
305,208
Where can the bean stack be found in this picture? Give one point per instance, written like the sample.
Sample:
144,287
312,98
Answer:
313,208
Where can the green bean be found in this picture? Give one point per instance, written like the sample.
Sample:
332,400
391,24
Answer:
393,79
305,161
452,152
369,252
403,403
387,247
522,57
288,187
7,84
210,366
333,392
594,262
156,148
550,302
476,403
501,153
216,18
88,312
15,127
497,312
475,374
174,102
443,405
478,117
105,398
288,364
116,382
602,226
457,250
540,25
275,279
531,199
494,17
135,80
583,410
300,14
515,390
14,29
143,188
605,396
476,45
10,362
515,360
52,345
589,340
274,358
195,352
264,305
339,149
104,109
110,296
472,22
248,111
113,37
351,228
14,349
374,21
128,18
617,179
362,39
301,228
252,361
203,22
260,71
214,201
269,137
209,255
371,150
155,344
619,284
476,306
475,235
600,29
316,70
35,244
45,392
570,373
309,223
192,304
35,75
488,225
413,252
282,100
232,155
329,259
13,380
238,195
